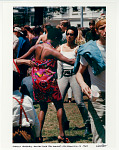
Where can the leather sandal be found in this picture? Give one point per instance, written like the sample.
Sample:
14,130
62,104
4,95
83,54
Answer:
63,139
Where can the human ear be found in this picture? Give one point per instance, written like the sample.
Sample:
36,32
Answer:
96,31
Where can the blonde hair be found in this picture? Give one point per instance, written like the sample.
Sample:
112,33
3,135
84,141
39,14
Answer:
80,39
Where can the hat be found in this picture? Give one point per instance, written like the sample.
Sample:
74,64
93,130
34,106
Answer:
18,29
102,17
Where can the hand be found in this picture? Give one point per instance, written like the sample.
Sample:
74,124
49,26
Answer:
31,63
86,89
73,61
20,61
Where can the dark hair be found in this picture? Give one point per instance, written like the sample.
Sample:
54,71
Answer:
54,34
24,33
27,28
65,23
48,27
84,31
92,22
37,30
16,80
74,29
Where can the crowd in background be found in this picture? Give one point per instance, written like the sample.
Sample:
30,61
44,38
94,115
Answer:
27,38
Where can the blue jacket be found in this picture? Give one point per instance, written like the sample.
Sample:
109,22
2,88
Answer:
93,56
21,42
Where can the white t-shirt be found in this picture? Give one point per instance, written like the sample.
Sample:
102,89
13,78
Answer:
98,81
69,55
30,112
15,40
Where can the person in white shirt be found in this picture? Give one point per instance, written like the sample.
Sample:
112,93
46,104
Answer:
68,79
26,127
96,94
15,45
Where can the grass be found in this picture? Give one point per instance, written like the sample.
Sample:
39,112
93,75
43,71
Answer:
76,130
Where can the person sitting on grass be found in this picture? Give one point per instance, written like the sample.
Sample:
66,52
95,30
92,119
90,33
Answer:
26,127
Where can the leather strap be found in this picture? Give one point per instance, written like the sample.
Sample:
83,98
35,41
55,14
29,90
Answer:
21,109
16,66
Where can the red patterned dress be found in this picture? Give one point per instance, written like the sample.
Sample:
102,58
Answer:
45,87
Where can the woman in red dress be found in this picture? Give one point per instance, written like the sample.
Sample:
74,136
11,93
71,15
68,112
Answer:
45,79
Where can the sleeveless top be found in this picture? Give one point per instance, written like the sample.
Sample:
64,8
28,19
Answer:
69,55
45,87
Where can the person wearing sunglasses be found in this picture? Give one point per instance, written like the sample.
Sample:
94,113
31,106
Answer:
68,79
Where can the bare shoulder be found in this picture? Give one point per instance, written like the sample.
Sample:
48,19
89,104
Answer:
64,45
48,49
41,36
38,47
48,52
58,48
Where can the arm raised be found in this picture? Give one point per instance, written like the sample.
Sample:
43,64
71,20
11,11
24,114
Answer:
39,39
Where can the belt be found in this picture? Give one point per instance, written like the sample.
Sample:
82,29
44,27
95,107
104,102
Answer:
67,72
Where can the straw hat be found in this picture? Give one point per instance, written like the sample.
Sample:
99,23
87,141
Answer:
18,29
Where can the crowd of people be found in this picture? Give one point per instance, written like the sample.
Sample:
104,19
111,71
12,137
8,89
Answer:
48,63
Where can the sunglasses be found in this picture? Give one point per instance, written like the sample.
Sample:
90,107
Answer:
71,34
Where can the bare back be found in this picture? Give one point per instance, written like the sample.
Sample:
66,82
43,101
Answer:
43,51
42,38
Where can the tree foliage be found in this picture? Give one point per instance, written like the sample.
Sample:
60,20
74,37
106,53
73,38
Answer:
49,11
97,8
